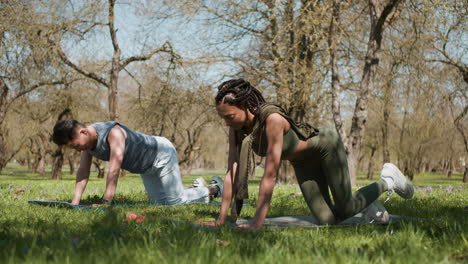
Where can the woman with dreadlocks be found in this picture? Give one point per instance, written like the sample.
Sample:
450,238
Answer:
317,155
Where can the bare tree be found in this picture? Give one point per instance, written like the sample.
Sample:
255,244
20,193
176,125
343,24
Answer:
380,14
458,120
24,58
57,155
118,64
448,32
5,103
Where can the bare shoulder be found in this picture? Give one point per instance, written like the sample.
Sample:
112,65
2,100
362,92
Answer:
277,121
117,132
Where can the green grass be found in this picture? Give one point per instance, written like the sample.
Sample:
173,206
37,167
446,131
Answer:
35,234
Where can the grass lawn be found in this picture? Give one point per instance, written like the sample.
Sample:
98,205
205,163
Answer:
36,234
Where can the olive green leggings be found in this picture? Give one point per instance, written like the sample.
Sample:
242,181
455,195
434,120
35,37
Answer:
325,167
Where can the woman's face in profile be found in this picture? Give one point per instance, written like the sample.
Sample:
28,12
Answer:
234,117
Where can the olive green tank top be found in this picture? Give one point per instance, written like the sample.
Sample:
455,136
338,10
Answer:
248,144
290,141
257,142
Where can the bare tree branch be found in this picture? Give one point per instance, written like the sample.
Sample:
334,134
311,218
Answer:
463,69
232,22
34,87
166,47
88,74
389,8
112,30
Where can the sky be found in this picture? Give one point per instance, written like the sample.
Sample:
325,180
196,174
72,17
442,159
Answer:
137,33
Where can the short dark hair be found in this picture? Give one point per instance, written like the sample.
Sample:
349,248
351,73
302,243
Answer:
64,131
239,92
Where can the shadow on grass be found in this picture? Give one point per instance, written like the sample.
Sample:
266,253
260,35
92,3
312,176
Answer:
54,240
26,177
108,228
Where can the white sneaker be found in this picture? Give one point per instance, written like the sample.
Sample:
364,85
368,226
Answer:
199,182
376,213
401,185
217,181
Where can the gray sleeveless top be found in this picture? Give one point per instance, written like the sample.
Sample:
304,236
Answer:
140,149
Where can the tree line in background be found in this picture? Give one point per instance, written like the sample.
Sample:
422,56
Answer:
390,76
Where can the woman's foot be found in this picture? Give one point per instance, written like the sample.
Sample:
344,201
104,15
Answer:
396,181
376,213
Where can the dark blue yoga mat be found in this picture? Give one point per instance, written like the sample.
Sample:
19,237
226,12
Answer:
63,204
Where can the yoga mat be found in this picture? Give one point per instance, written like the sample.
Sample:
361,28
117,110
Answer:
310,222
298,221
63,204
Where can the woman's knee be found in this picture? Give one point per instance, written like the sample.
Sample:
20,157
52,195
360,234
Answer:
326,219
345,211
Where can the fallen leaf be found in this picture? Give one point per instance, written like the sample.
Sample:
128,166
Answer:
222,243
140,218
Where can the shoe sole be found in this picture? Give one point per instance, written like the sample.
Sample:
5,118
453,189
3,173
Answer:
216,181
406,192
377,213
200,182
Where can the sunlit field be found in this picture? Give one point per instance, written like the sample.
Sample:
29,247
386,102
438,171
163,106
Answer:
37,234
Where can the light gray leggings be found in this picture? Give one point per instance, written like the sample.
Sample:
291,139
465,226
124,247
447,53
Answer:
163,182
325,167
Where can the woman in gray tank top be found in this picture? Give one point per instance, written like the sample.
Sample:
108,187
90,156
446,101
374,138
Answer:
153,157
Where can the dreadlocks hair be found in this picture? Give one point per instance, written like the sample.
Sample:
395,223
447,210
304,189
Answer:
239,92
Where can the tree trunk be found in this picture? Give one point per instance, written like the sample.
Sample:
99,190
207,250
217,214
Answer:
35,164
461,128
449,168
409,171
3,153
57,163
370,170
465,175
378,18
41,166
188,169
335,77
58,155
97,163
114,74
286,173
3,108
28,162
71,164
385,121
113,100
352,166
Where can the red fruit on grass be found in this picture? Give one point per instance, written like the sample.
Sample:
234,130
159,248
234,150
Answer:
131,216
140,218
